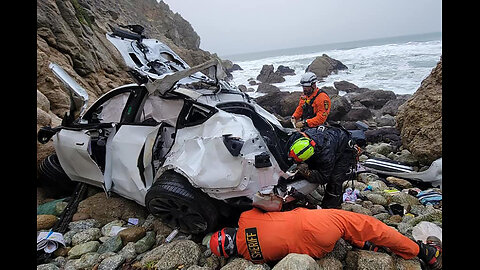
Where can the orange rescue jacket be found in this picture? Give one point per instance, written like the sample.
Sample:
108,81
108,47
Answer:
321,108
270,236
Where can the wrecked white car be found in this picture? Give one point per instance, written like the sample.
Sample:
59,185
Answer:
185,145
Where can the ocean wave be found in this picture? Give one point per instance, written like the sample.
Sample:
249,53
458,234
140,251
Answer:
397,67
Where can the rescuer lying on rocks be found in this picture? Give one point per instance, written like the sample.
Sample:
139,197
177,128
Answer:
270,236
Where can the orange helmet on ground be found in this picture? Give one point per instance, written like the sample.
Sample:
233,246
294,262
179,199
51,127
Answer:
223,242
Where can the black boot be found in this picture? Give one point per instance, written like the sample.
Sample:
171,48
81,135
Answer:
431,252
372,247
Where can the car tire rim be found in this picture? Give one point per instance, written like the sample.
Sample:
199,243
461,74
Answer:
178,214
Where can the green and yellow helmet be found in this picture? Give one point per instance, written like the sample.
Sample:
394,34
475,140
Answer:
302,149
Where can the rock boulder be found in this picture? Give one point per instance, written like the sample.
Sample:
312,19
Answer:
419,119
324,65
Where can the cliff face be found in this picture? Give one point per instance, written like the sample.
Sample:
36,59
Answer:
420,118
71,33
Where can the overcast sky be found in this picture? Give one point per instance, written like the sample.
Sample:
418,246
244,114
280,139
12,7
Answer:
229,27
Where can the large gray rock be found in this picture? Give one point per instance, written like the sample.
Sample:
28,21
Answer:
112,244
324,65
340,107
374,99
368,260
281,103
106,209
345,86
267,75
420,119
172,255
111,263
87,235
295,261
79,250
237,264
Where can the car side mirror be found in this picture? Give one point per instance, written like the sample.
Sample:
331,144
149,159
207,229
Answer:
78,95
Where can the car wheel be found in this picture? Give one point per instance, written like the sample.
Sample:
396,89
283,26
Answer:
51,175
177,203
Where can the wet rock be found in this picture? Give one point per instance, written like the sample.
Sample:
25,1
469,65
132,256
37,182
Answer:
45,222
87,261
402,183
324,65
267,88
374,99
128,251
131,234
83,225
330,263
81,249
368,260
385,120
113,244
295,261
357,113
87,235
106,229
237,263
105,210
377,199
281,103
340,107
340,250
353,207
384,134
145,243
345,86
268,76
111,263
171,255
402,264
434,217
52,208
47,266
380,148
404,198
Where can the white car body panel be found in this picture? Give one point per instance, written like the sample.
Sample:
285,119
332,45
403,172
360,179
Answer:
73,150
200,155
126,149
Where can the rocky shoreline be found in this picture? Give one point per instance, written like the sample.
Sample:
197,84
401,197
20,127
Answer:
92,244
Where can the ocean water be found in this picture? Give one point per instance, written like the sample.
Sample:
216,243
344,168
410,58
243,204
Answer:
398,64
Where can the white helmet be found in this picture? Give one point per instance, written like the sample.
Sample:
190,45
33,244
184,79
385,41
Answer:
308,78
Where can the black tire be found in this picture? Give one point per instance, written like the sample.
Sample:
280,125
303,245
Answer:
179,205
52,176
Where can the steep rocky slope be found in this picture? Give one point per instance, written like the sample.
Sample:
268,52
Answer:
72,34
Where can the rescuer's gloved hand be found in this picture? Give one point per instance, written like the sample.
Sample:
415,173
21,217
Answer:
300,124
304,170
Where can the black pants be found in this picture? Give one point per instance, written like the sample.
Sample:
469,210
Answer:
341,172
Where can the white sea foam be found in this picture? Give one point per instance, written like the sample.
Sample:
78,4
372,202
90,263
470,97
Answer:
397,67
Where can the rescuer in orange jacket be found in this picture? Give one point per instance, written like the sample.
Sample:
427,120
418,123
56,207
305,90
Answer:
270,236
314,105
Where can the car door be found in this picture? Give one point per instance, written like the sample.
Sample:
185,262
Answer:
134,152
81,147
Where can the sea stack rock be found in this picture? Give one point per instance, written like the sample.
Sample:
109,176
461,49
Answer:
324,65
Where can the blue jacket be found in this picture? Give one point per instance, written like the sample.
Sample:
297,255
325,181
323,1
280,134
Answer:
331,142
